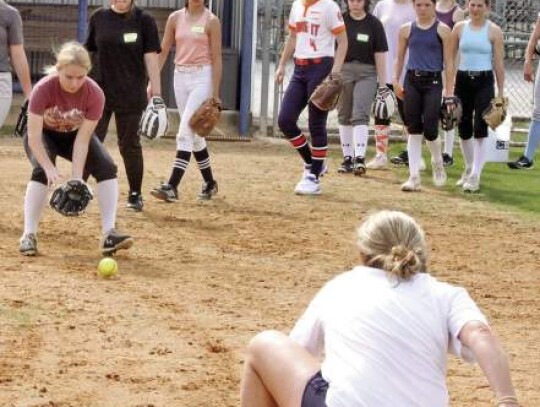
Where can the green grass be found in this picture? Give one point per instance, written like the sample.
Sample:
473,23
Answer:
513,189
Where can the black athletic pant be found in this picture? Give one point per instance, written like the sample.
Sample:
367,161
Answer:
129,143
475,90
423,103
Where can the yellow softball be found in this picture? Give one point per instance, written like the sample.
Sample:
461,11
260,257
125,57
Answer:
107,267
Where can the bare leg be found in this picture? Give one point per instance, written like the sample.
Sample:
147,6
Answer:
276,371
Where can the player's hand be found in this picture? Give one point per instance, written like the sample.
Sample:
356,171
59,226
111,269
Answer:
528,71
53,176
280,74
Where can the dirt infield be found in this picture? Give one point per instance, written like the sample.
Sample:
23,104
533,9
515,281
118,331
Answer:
202,278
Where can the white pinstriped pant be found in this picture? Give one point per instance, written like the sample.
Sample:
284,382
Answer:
192,86
5,95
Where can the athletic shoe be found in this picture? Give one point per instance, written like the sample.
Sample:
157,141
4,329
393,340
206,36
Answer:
308,185
412,184
28,245
165,192
359,166
522,164
378,163
464,177
439,175
401,159
448,160
346,166
113,241
307,170
208,190
472,184
135,201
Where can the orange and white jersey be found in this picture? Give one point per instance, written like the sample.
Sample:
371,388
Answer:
316,24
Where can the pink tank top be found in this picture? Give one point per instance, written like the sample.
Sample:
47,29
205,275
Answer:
192,41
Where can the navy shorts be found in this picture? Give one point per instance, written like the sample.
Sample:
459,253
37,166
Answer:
315,392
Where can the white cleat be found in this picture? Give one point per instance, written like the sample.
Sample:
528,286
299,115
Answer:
439,175
308,185
412,184
380,162
472,184
464,177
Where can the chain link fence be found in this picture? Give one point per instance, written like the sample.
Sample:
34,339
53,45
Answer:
516,18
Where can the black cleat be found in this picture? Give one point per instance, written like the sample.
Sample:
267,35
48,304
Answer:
346,166
113,241
522,164
135,201
165,192
209,189
447,159
359,166
401,159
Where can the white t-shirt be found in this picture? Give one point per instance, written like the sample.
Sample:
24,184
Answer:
316,24
385,344
393,15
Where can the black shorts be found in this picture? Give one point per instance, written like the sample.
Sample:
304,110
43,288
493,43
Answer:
98,163
315,392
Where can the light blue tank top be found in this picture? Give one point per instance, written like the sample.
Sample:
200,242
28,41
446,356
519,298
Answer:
476,50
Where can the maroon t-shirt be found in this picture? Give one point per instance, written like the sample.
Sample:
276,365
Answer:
63,111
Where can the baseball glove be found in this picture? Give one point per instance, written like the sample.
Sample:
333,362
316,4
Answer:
154,121
71,198
384,104
451,112
326,95
205,117
495,113
22,121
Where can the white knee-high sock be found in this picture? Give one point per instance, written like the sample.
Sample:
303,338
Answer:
34,202
414,147
360,136
479,156
435,147
449,136
107,200
346,138
467,149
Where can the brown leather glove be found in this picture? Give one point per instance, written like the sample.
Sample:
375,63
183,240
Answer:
495,113
326,95
205,117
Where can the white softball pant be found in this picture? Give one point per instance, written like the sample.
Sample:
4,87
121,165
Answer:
192,86
5,95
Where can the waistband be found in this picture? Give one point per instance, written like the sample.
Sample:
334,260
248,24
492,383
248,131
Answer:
476,74
189,68
311,61
423,74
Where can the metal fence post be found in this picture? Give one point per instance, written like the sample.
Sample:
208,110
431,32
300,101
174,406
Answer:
82,21
263,123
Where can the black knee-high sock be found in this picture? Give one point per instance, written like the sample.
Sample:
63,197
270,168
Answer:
301,145
179,167
203,161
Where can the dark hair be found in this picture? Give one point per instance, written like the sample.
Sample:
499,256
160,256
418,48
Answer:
367,5
205,3
433,1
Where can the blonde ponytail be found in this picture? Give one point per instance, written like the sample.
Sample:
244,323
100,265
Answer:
393,242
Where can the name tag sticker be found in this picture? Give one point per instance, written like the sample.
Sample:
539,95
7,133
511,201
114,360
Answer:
199,29
130,37
362,37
